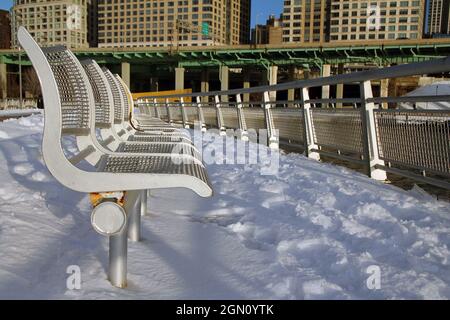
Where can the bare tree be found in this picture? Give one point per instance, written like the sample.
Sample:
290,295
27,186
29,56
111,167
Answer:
31,82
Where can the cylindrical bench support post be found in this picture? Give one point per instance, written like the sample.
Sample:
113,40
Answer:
144,203
118,247
132,207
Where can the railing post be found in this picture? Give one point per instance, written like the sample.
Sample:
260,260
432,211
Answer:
201,117
271,132
155,105
169,116
220,123
243,134
183,114
370,142
310,145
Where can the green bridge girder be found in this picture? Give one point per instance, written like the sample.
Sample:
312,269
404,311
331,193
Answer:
242,56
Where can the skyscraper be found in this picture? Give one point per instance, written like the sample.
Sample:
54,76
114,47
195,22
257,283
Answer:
438,12
5,30
376,20
305,21
137,23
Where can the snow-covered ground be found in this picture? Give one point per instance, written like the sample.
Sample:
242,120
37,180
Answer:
310,232
439,88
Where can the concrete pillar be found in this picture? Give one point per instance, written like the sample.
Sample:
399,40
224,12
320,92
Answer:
224,81
179,78
246,85
326,72
3,81
154,84
126,73
340,87
292,76
204,83
273,80
384,91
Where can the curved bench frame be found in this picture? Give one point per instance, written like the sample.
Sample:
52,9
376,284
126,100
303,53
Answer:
64,169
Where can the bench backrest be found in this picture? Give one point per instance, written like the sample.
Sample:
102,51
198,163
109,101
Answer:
104,111
127,97
117,96
73,90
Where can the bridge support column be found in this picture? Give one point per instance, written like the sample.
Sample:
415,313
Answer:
179,78
3,81
154,84
340,86
126,73
246,85
273,80
326,72
224,81
204,83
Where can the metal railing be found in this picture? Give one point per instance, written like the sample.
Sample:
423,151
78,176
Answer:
411,143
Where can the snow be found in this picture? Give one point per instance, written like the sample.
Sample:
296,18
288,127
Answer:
439,88
309,232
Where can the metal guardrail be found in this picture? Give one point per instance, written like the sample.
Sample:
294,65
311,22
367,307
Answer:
412,143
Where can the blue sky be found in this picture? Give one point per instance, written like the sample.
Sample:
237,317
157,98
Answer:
261,9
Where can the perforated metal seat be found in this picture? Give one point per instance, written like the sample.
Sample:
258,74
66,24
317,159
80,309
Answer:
70,110
131,164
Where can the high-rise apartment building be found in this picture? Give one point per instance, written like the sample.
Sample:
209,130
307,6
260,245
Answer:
138,23
5,30
305,21
376,20
438,14
269,33
57,22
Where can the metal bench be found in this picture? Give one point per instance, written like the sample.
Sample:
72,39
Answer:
105,109
122,106
70,110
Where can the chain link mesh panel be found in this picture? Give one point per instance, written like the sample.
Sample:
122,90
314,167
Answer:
290,123
339,129
418,139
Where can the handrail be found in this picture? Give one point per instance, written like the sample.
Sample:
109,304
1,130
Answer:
413,99
405,70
